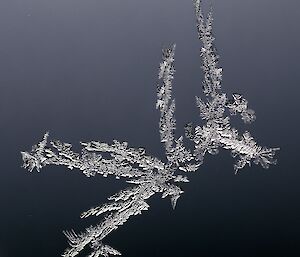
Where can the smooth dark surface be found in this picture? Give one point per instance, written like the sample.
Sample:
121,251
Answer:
87,70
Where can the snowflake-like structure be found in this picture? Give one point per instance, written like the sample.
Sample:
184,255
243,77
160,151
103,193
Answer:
150,175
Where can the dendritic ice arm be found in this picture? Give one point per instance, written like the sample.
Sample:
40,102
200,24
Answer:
165,103
210,137
148,174
178,156
212,73
90,161
217,131
125,204
216,100
122,206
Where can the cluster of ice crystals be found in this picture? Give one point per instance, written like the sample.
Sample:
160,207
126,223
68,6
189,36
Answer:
217,132
149,175
240,105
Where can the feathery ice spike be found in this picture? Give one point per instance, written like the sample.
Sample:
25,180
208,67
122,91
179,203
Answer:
217,131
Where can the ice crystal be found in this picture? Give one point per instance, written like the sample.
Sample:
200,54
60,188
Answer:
149,175
217,132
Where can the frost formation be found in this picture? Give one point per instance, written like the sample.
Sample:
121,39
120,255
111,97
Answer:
149,175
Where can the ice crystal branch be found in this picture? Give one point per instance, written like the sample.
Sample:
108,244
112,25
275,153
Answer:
176,153
149,175
165,103
217,131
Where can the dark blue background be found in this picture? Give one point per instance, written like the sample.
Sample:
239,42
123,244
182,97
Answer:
87,70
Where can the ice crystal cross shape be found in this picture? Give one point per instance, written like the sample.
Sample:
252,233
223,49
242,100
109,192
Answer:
148,174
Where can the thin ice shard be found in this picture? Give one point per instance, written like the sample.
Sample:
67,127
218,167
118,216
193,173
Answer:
176,153
149,175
